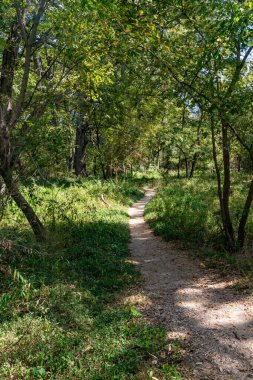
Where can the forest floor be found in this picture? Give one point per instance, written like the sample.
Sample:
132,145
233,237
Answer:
201,312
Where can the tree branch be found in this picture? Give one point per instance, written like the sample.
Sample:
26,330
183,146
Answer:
26,71
237,72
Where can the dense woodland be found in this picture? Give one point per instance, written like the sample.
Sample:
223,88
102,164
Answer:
98,98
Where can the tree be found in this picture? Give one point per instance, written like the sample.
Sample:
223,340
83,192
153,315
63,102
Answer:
206,56
21,40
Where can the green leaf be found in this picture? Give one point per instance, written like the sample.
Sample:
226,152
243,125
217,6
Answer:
135,313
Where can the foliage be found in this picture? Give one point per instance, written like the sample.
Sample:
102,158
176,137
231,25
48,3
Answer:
188,210
100,89
61,310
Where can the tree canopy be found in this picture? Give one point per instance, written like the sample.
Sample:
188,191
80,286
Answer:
105,87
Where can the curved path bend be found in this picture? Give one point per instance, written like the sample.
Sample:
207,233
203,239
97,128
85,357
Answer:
213,321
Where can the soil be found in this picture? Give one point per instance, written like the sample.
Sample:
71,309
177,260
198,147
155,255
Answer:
212,320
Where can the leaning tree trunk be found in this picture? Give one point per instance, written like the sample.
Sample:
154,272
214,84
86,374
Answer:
24,206
10,114
80,149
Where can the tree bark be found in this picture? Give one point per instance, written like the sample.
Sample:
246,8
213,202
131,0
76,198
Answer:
244,217
158,158
178,167
8,116
23,205
228,226
225,220
217,169
9,62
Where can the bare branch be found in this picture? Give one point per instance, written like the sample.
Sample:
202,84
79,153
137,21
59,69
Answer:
26,71
40,80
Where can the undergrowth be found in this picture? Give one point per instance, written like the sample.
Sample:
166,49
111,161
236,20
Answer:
187,210
60,310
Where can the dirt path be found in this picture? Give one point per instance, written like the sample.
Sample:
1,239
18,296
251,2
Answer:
214,323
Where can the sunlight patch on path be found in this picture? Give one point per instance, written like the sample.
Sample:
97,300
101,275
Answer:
214,322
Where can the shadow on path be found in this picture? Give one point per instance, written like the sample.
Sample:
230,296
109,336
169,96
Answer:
213,322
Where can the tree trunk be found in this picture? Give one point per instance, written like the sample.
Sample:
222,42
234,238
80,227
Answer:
186,168
229,239
158,158
244,217
9,64
228,226
24,206
194,161
217,169
80,149
178,167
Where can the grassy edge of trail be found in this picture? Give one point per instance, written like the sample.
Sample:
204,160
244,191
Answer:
187,211
61,309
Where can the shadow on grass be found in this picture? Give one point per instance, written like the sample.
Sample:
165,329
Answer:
60,311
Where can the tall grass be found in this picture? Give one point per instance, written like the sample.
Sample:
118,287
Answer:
184,210
188,211
60,310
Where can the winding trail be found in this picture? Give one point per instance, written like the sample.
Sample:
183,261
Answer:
212,320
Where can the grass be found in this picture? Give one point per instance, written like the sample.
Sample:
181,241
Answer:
188,211
185,210
60,310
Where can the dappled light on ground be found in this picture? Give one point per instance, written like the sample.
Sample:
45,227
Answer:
213,322
60,303
137,299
